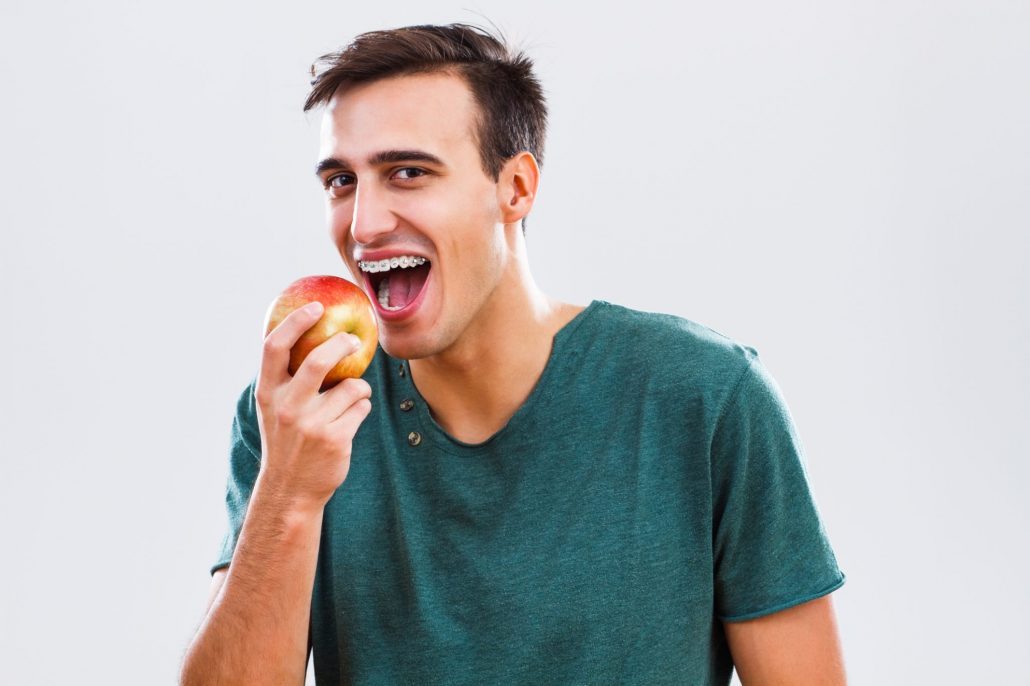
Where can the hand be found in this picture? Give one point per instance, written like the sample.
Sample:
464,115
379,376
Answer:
306,436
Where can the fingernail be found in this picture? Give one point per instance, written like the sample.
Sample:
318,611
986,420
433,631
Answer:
313,308
355,341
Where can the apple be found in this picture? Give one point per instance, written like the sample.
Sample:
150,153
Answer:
346,308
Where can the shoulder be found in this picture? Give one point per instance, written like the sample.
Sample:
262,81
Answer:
669,350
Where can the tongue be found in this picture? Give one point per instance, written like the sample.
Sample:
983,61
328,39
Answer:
405,284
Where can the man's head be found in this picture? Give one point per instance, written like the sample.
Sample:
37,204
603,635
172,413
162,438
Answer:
430,147
512,111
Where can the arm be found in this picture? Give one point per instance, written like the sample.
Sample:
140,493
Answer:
770,545
796,646
256,630
257,625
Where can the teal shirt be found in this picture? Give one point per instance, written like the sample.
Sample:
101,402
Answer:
651,485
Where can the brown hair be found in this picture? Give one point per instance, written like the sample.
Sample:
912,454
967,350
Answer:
513,112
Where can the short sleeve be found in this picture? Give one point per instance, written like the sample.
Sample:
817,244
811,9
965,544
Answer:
770,548
244,464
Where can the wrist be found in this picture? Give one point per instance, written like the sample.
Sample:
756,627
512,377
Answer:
293,506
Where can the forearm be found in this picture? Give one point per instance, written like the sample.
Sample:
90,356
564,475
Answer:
257,629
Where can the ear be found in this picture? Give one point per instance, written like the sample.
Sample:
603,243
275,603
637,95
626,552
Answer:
516,187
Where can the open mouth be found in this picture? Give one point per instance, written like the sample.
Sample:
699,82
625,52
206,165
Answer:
396,282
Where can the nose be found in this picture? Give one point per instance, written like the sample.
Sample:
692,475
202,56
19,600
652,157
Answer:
373,215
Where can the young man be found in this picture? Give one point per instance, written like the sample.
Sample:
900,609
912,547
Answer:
512,493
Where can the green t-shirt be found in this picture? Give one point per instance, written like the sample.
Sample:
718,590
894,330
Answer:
652,484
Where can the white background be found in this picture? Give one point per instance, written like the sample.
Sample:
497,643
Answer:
843,186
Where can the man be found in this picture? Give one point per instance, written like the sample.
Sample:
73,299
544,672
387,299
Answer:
512,493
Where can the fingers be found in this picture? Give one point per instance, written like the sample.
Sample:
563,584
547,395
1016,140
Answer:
308,379
342,397
276,356
346,426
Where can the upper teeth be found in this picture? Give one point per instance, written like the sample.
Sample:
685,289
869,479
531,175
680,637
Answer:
403,261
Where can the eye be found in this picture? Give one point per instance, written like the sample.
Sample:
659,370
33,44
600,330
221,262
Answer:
339,180
408,173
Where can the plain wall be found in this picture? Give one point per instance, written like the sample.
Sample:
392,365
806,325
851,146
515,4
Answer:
843,186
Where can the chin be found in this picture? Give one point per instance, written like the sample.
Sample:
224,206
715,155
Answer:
407,348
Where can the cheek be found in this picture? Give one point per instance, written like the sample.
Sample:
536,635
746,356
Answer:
426,211
339,216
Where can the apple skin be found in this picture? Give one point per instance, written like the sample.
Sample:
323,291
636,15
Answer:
346,308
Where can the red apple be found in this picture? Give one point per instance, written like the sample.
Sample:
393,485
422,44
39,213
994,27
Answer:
347,308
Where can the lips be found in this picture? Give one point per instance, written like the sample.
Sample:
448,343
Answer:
397,276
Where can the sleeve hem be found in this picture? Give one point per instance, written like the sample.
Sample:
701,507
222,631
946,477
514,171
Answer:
786,605
221,565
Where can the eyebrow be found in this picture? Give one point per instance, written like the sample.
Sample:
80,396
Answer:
380,158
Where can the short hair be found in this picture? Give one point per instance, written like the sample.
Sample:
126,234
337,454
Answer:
513,111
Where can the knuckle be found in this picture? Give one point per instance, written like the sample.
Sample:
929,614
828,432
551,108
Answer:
262,395
321,360
358,388
308,429
272,346
330,441
287,417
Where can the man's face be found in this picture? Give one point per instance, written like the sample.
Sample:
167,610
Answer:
403,177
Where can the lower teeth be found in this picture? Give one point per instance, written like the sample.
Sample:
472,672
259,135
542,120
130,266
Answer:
384,295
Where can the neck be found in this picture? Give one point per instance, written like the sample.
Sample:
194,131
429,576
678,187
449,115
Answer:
476,385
